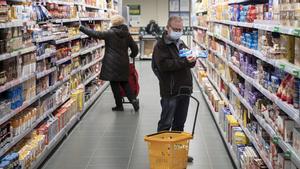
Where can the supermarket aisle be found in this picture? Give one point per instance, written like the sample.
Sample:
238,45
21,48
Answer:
114,140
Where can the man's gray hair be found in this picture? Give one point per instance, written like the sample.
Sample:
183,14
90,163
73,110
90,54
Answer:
174,18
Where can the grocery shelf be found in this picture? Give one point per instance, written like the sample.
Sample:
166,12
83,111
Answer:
94,19
90,49
218,55
287,67
203,63
254,142
84,36
65,20
94,97
18,23
17,53
237,1
74,55
18,138
63,60
59,2
199,44
91,64
34,99
50,89
18,110
285,146
88,6
75,71
46,55
288,109
49,148
201,11
44,39
16,82
263,26
64,40
200,27
44,73
211,108
90,79
247,132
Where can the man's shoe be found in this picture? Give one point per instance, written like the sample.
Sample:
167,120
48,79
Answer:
117,108
190,159
136,104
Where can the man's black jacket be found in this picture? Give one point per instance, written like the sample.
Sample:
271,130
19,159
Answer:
172,71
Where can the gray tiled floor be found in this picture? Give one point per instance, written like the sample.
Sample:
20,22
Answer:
114,140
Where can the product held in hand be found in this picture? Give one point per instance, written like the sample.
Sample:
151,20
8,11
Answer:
183,53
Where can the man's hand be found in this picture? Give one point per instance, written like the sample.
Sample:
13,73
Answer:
191,59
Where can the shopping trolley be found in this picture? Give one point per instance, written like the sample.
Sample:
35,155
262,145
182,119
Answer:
169,149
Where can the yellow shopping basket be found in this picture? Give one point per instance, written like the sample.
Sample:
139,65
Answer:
169,149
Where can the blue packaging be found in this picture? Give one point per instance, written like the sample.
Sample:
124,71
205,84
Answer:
297,93
183,53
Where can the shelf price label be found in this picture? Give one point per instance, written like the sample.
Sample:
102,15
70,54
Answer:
276,29
288,154
296,73
296,32
275,140
282,67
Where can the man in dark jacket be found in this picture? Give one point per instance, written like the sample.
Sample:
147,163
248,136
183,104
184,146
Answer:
115,67
174,76
152,28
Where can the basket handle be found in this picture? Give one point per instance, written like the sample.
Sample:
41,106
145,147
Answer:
163,132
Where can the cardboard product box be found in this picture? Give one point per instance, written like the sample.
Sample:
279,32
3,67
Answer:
52,128
231,122
220,106
288,130
239,137
222,116
280,121
43,130
273,154
296,140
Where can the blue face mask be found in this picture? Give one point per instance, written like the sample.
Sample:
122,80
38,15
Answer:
175,35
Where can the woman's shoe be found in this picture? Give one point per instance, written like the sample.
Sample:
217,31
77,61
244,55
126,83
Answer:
136,104
117,108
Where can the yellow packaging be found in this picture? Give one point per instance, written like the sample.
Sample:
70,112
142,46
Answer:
230,121
289,43
291,49
78,96
240,138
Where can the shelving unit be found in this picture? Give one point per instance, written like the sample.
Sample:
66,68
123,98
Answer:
88,73
222,61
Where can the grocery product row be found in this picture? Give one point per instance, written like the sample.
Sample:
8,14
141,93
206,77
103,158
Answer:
49,73
251,78
37,130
